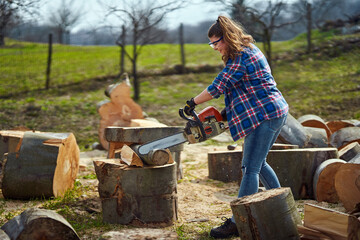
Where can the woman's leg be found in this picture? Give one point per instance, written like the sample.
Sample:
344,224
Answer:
256,147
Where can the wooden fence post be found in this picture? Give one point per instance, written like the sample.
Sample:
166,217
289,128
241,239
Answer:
182,48
48,69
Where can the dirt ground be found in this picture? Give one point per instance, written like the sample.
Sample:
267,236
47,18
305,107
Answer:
200,199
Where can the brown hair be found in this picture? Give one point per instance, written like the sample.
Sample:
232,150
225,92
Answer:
233,34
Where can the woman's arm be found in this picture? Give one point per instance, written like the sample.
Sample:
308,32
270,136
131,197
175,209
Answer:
202,97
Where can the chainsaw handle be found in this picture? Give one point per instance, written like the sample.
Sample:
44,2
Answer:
193,122
182,115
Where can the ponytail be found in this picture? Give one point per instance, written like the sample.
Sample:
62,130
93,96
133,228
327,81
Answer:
233,34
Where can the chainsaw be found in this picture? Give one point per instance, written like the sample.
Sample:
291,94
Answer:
201,127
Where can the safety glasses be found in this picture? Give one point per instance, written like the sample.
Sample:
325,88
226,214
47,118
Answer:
214,43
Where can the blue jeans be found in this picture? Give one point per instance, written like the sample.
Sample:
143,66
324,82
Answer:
254,166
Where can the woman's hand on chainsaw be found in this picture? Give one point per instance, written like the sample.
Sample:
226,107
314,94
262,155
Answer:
189,107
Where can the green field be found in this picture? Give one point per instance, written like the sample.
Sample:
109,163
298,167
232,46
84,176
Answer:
323,83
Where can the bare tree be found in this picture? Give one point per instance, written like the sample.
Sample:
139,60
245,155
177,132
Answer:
314,13
142,19
261,19
10,11
65,17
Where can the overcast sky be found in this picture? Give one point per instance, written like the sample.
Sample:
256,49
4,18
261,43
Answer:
193,13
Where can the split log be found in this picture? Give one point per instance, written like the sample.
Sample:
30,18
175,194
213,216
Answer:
45,166
339,124
128,156
311,234
43,224
314,121
334,224
295,168
324,181
355,159
137,196
10,141
349,151
347,185
345,136
318,137
282,146
120,110
294,133
266,215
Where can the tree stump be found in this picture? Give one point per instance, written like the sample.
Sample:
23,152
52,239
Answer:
225,166
137,196
324,181
314,121
41,224
45,166
345,136
349,151
347,185
119,110
271,214
294,133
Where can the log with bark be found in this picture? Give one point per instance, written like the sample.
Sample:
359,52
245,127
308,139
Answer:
345,136
46,165
270,214
347,185
137,196
336,125
295,168
120,110
314,121
324,181
42,224
330,223
294,133
318,137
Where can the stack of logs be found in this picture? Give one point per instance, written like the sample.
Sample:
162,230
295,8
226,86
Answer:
316,160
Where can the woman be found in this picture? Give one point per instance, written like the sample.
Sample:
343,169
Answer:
255,108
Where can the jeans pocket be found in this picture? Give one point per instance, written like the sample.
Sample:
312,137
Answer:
277,123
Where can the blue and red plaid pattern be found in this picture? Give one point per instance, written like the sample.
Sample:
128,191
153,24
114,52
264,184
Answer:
251,95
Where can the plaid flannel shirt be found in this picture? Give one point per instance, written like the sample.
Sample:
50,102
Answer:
251,95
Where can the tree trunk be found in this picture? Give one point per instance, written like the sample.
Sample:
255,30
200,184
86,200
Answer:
309,26
45,166
137,196
345,136
266,215
39,224
294,133
182,51
347,185
324,181
122,51
314,121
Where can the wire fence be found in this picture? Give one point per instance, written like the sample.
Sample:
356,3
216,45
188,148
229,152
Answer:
26,66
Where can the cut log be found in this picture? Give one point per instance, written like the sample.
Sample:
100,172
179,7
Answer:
336,225
345,136
295,168
282,146
349,151
119,110
266,215
339,124
311,234
137,196
324,181
140,234
145,123
355,159
294,133
347,185
43,224
10,141
314,121
318,137
46,166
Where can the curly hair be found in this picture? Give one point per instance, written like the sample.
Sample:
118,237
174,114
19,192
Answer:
233,34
